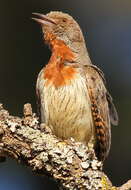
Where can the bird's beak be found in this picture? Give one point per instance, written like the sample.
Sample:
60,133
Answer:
43,19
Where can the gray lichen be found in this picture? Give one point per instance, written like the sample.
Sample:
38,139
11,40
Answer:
70,163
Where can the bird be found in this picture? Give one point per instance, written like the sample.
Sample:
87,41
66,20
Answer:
71,91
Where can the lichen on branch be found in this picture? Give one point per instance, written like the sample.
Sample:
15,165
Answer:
72,164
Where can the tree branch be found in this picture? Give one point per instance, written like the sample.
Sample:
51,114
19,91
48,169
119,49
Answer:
71,164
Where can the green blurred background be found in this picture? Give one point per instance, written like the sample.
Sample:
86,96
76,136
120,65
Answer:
107,28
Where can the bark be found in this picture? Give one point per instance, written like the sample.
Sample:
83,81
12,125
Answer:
72,164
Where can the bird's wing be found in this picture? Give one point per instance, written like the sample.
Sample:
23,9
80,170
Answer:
103,110
112,110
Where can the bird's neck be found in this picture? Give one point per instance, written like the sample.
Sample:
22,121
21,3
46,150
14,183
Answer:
61,53
68,51
57,71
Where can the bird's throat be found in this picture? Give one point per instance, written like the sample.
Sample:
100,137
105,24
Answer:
56,72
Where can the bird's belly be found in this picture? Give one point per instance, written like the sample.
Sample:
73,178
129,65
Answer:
68,110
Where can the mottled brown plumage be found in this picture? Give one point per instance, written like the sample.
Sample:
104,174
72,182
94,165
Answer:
71,91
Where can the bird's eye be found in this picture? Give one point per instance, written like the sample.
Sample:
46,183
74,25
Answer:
63,20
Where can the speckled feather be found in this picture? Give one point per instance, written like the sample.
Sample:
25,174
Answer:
100,113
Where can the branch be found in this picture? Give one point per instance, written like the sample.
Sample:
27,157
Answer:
71,164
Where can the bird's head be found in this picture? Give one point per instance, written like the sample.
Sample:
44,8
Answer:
61,26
